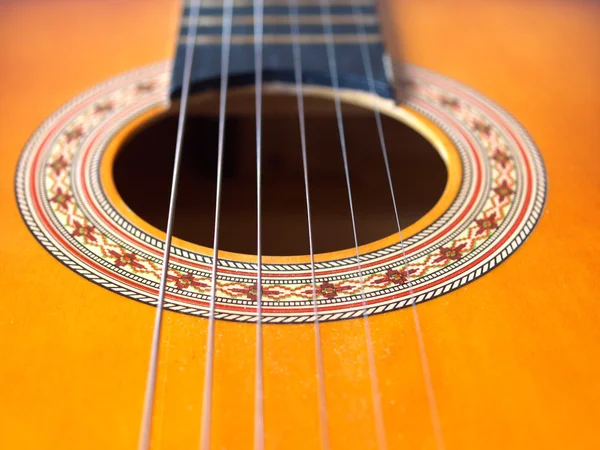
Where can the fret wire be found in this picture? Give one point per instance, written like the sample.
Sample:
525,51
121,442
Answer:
280,39
323,419
276,19
146,425
210,344
267,3
368,65
377,412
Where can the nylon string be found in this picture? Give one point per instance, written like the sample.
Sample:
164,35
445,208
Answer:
148,408
145,429
366,58
331,55
210,344
259,430
295,27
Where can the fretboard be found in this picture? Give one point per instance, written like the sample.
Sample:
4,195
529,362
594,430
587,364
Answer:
353,23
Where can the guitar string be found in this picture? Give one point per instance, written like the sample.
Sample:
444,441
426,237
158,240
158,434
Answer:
259,439
297,56
210,340
331,54
148,408
368,66
259,422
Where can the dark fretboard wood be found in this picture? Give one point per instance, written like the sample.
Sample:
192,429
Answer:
278,62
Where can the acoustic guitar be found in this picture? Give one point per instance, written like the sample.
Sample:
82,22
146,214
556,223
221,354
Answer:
299,224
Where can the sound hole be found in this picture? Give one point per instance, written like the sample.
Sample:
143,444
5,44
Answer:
143,170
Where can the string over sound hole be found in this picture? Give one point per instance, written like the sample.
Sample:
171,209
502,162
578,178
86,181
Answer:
143,168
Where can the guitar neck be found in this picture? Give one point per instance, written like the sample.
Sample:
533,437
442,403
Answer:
340,30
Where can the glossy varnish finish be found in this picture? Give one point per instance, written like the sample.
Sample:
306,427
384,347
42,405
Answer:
513,356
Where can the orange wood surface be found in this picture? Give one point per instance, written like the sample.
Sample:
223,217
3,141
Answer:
513,356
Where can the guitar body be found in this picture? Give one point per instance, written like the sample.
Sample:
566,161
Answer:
512,357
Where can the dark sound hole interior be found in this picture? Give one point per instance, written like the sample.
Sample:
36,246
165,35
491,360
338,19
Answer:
143,171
